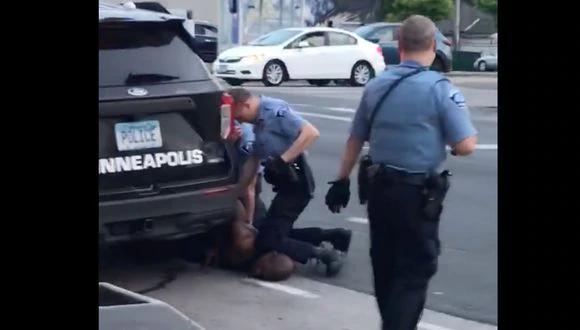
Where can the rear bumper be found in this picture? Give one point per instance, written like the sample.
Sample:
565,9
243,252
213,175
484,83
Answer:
165,217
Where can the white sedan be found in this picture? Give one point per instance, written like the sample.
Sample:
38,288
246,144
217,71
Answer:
317,54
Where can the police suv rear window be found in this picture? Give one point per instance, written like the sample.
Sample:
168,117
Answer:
135,53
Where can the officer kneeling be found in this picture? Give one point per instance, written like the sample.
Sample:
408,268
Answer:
281,138
408,115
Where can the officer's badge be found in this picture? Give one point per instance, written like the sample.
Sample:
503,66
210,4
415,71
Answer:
458,99
281,113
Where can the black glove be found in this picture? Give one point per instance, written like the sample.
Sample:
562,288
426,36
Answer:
338,195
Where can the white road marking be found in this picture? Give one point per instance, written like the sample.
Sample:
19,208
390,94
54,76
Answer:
429,326
358,220
283,288
338,109
318,115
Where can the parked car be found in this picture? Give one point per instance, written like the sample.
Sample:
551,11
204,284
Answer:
203,36
165,171
385,34
205,42
317,54
486,62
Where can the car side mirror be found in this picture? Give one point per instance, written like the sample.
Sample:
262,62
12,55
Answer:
303,44
189,14
374,40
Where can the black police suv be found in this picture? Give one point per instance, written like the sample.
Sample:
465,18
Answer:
165,171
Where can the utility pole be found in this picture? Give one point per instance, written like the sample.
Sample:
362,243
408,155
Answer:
456,26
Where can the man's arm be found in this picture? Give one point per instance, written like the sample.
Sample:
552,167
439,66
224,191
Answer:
458,130
249,200
248,173
308,134
350,156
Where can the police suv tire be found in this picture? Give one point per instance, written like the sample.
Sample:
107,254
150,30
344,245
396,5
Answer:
233,82
438,65
271,69
319,82
360,68
482,66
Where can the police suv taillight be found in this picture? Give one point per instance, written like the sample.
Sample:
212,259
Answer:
227,117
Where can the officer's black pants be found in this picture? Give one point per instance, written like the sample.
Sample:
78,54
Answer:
275,232
404,251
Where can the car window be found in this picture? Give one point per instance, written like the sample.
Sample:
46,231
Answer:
384,34
134,53
340,39
199,30
274,38
314,39
205,30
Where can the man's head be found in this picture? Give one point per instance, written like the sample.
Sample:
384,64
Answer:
273,266
246,105
417,39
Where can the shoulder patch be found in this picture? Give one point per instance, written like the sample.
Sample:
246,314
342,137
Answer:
281,113
457,98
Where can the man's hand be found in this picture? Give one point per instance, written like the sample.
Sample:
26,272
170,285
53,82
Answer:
338,195
235,135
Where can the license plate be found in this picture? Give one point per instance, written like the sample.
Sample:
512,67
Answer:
138,135
222,68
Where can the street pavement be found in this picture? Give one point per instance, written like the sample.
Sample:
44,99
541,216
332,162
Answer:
465,285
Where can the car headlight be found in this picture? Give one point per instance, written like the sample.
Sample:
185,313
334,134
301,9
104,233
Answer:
252,59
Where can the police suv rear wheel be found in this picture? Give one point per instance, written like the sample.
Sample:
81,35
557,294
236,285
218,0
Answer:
274,73
361,74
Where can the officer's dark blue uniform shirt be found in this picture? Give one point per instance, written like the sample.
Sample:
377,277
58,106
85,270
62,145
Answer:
276,127
422,115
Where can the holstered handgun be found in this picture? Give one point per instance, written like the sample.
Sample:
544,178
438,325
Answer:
363,179
436,187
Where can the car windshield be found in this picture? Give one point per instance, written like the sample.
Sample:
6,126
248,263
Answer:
364,31
274,38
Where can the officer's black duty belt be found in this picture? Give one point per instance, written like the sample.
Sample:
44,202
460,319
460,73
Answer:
389,174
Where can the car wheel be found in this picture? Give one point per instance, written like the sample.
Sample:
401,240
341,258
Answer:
361,74
438,65
234,82
274,73
482,66
319,82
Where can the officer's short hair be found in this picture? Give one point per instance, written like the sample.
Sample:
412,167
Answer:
240,94
417,33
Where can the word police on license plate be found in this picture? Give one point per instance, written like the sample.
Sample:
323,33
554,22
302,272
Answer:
138,135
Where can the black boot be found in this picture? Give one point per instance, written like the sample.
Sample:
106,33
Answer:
338,237
329,257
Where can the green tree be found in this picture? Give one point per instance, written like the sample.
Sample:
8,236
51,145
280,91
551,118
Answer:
398,10
487,6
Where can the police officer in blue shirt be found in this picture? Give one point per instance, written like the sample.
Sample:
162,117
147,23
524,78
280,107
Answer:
408,115
281,139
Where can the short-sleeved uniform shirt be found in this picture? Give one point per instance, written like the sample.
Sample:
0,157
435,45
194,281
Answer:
422,115
276,128
246,143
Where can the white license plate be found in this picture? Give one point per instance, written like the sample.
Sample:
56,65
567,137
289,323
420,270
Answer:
138,135
222,68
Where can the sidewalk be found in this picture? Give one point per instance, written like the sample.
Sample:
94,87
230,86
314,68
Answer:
226,301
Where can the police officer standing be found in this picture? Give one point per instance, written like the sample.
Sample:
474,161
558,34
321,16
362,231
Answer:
408,115
281,138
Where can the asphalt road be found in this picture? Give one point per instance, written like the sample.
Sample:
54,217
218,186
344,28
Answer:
466,283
